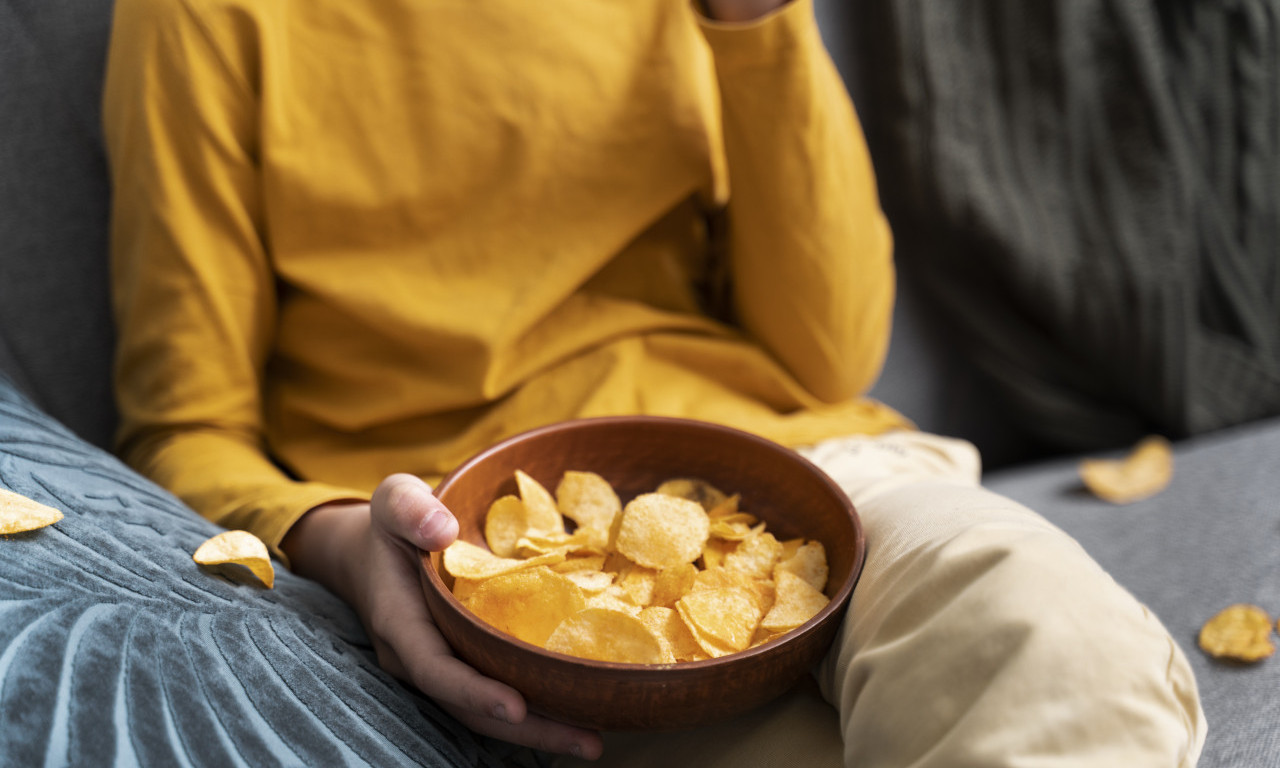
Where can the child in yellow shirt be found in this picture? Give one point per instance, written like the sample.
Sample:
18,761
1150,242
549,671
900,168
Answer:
355,243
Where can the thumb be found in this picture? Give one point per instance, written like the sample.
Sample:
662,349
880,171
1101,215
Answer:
404,507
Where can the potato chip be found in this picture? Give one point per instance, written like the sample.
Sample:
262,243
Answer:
638,585
808,561
693,489
19,514
614,598
505,524
761,590
540,508
465,560
528,604
1146,471
715,551
605,635
731,528
673,634
587,499
722,621
1240,633
670,584
728,508
591,582
238,548
580,562
660,531
795,602
755,555
463,589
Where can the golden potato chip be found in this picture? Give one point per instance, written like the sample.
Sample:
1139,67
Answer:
239,548
763,636
727,508
731,528
755,555
660,531
1240,633
670,584
673,634
504,525
614,598
808,561
1146,471
541,543
605,635
463,589
638,584
722,621
715,551
591,582
580,562
761,590
19,514
462,559
587,499
795,602
528,604
540,508
693,489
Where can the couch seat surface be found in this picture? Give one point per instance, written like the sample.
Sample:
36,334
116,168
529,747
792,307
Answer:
1209,540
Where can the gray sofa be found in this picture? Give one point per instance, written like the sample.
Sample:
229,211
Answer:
111,643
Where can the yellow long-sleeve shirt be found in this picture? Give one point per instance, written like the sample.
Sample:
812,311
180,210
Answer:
356,237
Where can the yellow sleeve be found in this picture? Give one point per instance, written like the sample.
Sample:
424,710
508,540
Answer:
192,286
811,252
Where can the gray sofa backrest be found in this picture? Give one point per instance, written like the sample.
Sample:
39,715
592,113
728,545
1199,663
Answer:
55,324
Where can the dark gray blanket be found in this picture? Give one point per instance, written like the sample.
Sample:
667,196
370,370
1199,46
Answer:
1087,191
116,648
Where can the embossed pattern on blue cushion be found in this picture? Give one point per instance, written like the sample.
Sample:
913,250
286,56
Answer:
115,647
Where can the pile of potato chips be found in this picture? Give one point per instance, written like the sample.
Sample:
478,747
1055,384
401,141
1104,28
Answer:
679,574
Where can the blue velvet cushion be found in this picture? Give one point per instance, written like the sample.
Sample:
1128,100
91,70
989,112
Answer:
116,647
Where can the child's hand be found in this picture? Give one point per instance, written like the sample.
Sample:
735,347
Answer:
741,10
367,554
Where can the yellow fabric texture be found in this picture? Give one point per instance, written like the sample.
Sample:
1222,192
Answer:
356,238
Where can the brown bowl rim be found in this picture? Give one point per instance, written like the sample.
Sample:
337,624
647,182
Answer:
838,601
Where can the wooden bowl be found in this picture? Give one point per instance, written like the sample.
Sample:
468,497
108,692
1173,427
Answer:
635,454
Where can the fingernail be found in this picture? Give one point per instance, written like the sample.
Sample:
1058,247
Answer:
434,524
575,750
500,713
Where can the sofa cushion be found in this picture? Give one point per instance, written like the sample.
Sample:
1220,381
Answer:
113,642
1212,538
55,321
1086,192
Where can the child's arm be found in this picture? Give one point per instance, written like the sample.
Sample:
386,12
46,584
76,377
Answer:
811,253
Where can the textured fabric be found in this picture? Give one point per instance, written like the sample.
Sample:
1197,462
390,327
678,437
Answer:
55,323
972,639
1087,190
116,646
523,242
1210,540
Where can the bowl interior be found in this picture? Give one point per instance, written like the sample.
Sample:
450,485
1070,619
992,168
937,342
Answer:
636,454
